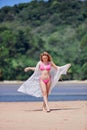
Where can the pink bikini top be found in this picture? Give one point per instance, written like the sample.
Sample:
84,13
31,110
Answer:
45,67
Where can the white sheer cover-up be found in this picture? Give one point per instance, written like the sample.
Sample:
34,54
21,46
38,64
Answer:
32,85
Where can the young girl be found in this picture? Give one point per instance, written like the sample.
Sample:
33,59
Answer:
45,77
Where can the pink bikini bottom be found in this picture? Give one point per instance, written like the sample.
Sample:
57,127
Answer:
45,80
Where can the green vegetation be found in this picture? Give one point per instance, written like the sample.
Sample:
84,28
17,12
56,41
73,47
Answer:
56,26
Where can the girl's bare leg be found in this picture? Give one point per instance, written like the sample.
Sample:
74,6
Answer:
45,95
48,88
44,106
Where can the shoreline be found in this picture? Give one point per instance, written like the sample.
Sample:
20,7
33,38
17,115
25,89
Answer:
64,115
59,82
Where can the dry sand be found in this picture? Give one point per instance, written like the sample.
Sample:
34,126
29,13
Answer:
67,115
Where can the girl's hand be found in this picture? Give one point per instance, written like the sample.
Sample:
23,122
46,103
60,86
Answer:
26,69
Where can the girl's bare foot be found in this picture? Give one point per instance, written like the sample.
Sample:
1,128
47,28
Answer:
48,109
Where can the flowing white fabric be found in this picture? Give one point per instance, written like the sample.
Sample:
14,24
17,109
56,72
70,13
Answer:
32,85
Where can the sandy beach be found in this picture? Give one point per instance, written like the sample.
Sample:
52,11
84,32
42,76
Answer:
65,115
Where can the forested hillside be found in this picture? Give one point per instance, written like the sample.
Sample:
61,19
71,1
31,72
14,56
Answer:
56,26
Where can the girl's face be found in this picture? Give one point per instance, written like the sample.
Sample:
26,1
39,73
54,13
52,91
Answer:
45,58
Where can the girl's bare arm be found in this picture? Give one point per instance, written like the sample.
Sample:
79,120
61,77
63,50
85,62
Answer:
54,65
29,68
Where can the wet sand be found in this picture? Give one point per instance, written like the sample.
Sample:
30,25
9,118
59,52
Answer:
64,115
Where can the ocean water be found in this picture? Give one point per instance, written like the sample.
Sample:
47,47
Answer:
62,92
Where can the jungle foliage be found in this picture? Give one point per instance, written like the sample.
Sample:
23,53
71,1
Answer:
56,26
